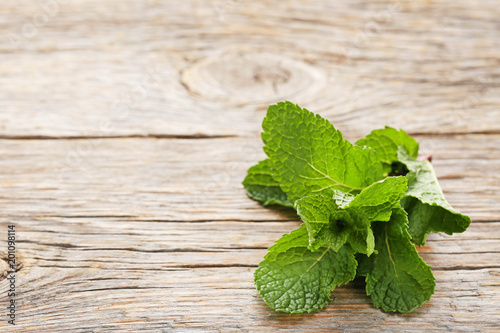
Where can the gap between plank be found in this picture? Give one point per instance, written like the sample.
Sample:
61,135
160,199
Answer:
131,136
203,136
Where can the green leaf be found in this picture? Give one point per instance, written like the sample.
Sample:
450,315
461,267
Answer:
326,223
428,210
362,241
375,202
329,224
424,201
261,186
309,156
342,199
365,264
294,279
386,142
397,280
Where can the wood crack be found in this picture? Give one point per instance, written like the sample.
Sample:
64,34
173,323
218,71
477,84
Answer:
444,134
130,136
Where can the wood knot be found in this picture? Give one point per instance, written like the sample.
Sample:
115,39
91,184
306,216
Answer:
243,77
5,268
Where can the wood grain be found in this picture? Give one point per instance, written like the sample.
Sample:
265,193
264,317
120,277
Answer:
197,179
142,238
212,68
126,129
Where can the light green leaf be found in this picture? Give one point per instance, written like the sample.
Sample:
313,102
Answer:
386,142
309,156
342,199
424,201
329,224
326,223
294,279
397,280
261,186
375,202
428,210
362,241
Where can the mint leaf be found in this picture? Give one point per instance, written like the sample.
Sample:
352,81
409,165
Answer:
424,201
326,223
375,202
352,200
362,241
365,264
397,280
427,208
386,142
294,279
332,225
261,186
309,156
342,199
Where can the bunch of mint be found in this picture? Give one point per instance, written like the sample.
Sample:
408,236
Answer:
363,208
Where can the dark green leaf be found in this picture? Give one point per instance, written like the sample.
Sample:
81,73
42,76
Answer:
261,186
397,280
294,279
425,203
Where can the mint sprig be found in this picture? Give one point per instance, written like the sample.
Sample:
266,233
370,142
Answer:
360,218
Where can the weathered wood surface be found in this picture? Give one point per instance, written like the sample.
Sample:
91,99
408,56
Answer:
150,229
211,68
159,234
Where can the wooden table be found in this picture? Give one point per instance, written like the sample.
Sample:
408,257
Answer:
127,127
